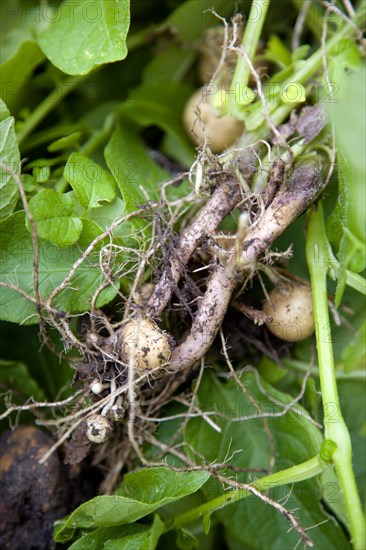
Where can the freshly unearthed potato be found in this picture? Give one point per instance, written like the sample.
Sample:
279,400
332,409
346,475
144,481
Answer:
147,341
221,131
292,314
98,428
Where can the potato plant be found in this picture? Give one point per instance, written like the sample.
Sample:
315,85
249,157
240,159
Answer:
183,254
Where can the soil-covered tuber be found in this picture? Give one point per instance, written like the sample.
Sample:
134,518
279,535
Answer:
143,340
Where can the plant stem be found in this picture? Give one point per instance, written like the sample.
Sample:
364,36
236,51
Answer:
300,366
306,71
249,43
295,474
47,105
334,426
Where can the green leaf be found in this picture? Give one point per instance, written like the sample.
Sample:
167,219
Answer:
54,266
53,214
86,34
133,169
141,493
65,142
353,405
91,183
4,111
354,354
125,537
246,442
52,375
15,376
277,52
348,115
16,71
18,383
10,157
160,103
191,18
186,540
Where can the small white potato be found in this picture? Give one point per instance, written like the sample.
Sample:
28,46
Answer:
98,428
292,314
221,131
148,343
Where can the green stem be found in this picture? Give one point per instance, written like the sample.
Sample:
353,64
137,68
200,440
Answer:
47,105
334,425
249,43
304,73
295,474
303,367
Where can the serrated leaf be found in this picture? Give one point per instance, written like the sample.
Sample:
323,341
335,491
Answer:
54,266
86,34
10,157
141,493
54,216
295,439
92,184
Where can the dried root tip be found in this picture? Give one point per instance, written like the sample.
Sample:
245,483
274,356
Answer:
144,342
98,428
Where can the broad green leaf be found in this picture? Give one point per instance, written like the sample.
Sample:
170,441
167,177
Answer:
171,64
141,494
277,52
354,354
125,537
54,216
349,114
295,440
52,375
54,266
146,539
160,103
15,376
4,111
92,184
133,169
19,385
10,157
15,73
86,34
191,18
